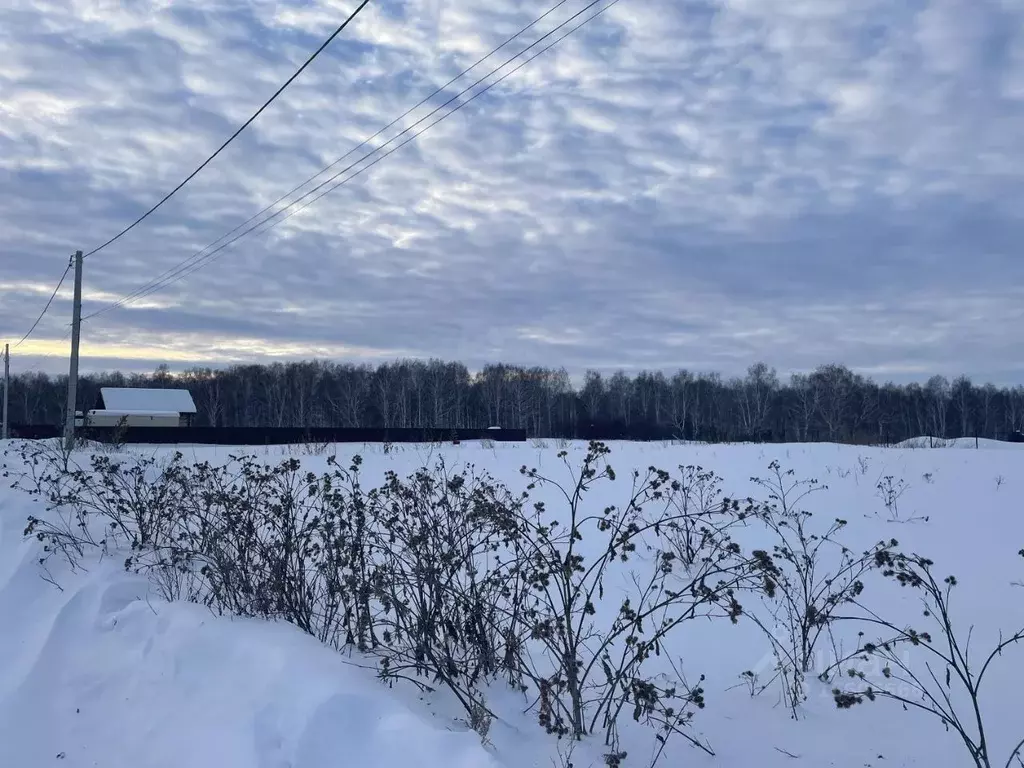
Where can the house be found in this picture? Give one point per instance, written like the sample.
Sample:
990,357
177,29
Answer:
136,407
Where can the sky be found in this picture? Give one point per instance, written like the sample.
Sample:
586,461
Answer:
678,184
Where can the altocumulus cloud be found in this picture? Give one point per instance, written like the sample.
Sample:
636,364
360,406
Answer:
681,183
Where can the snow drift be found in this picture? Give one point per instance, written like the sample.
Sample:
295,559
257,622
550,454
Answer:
99,675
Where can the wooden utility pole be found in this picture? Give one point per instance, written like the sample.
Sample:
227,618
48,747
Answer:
76,335
7,389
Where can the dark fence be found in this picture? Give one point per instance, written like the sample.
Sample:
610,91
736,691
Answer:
641,432
34,431
294,435
268,435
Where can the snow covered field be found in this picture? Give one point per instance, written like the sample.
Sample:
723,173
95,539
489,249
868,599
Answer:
99,671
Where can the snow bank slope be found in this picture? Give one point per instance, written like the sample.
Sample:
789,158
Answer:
98,675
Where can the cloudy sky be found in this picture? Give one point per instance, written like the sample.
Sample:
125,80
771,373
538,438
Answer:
680,183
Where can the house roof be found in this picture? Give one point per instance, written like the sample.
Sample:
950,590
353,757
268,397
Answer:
104,412
135,400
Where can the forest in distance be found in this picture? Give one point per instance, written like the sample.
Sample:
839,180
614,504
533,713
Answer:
832,403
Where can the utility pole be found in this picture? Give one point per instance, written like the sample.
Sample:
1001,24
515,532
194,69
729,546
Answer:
76,335
7,388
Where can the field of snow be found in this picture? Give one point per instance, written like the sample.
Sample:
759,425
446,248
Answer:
97,670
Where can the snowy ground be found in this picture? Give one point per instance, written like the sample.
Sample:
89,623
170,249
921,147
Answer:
100,672
968,443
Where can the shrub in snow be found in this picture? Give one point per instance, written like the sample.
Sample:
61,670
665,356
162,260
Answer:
863,464
890,490
807,577
109,503
448,580
941,677
697,500
449,595
395,571
593,658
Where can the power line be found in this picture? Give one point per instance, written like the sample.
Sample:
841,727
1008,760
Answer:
138,292
233,136
45,309
199,261
204,260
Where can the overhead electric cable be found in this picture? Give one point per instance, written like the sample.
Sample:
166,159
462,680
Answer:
45,309
199,260
233,136
198,254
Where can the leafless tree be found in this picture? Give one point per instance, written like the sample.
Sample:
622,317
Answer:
831,403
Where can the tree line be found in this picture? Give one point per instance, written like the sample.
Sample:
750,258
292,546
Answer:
830,404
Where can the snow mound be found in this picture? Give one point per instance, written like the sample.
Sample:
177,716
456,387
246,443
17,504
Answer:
957,442
98,675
